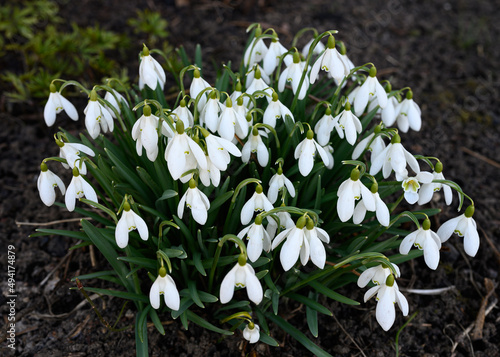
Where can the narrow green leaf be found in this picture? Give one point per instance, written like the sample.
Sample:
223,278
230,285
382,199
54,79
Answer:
193,293
156,321
141,343
268,340
120,294
205,324
143,262
313,304
332,294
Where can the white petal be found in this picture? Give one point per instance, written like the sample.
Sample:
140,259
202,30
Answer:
227,286
446,230
171,295
254,289
154,295
385,311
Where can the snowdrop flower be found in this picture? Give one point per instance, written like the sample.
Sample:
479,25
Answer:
351,190
129,221
426,240
320,47
197,86
465,226
296,245
306,151
389,113
394,157
255,144
348,63
411,185
273,55
164,285
293,74
219,149
350,124
71,153
250,75
150,71
251,332
377,274
55,105
257,203
242,275
408,114
197,201
285,220
372,142
258,84
97,117
388,295
256,51
277,183
114,98
428,189
211,173
209,116
275,110
325,126
368,90
183,153
329,153
257,237
78,188
330,61
183,113
145,133
47,183
231,122
381,210
313,246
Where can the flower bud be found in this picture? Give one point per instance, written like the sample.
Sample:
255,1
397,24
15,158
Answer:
145,50
310,134
374,188
192,183
355,174
146,110
373,71
43,167
242,259
331,42
162,271
396,139
259,189
409,94
390,280
426,224
93,95
438,168
52,88
76,173
179,127
469,212
301,222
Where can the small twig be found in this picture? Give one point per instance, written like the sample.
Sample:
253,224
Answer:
492,245
44,224
55,269
428,291
66,314
478,330
350,337
92,256
481,157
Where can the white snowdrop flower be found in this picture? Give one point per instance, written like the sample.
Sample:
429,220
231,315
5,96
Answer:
150,71
306,151
219,149
209,115
393,157
71,153
320,47
256,50
242,275
164,285
330,61
329,153
145,133
408,114
293,74
258,239
296,245
351,190
428,189
78,188
377,274
372,143
197,86
272,57
258,84
129,221
315,237
350,124
183,113
55,105
97,117
210,174
348,64
197,201
388,295
251,332
257,203
368,90
114,98
325,126
255,144
277,183
426,240
411,184
381,210
236,93
389,113
183,153
465,226
47,183
276,110
285,220
232,122
250,75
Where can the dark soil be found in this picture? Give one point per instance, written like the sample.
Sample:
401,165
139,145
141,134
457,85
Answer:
446,51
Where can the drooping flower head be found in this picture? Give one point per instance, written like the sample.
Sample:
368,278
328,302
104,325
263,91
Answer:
47,183
164,285
78,188
465,226
251,332
97,117
426,240
306,151
150,71
55,105
331,62
197,201
242,275
129,221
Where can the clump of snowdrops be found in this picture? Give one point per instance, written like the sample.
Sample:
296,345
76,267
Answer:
283,181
